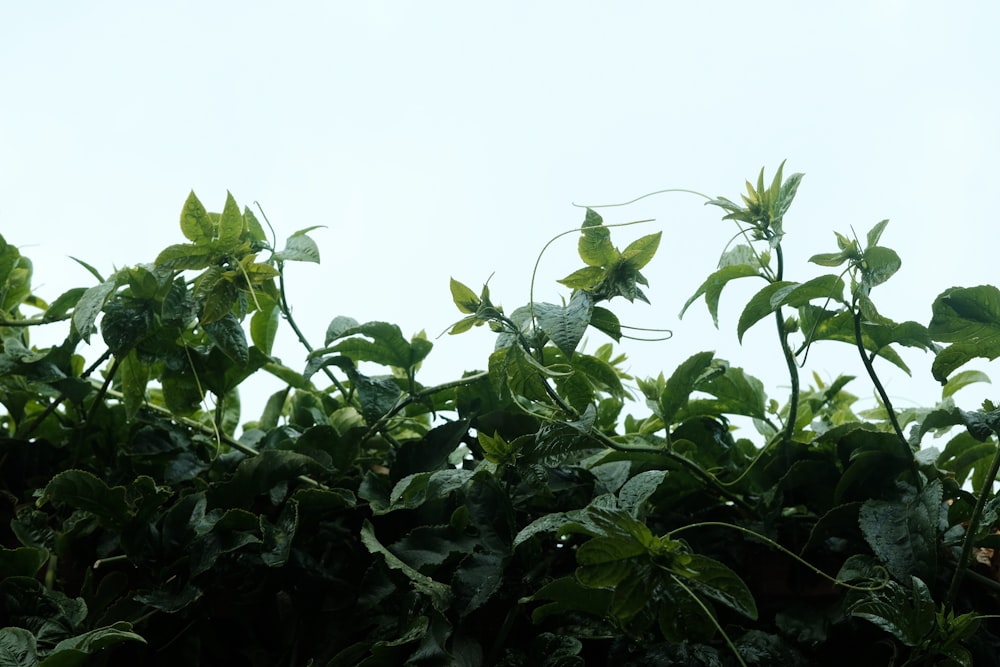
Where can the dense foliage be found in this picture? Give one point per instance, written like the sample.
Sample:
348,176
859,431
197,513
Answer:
528,513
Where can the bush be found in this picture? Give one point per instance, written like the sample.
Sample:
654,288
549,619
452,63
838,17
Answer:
532,512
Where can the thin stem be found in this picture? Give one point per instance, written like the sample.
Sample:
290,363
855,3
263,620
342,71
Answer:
970,532
32,322
859,341
62,397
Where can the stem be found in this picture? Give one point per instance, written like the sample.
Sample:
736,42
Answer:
32,322
286,311
859,341
786,350
970,532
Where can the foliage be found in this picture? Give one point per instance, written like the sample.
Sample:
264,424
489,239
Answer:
531,512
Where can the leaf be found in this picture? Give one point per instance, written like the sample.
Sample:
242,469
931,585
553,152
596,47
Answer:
278,536
641,251
439,594
227,334
907,615
634,493
878,265
22,562
377,395
607,322
299,248
477,578
465,299
821,287
93,641
760,306
875,233
963,379
714,580
82,490
185,256
685,379
587,278
196,225
595,244
231,223
18,648
712,287
969,319
134,374
903,534
387,345
264,325
607,561
565,325
89,307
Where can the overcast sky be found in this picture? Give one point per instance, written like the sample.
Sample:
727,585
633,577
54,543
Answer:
439,139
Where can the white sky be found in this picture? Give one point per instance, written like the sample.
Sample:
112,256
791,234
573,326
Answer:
439,139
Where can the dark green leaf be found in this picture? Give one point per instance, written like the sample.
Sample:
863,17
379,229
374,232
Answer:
22,562
18,648
604,320
264,325
718,582
134,375
565,325
439,594
906,614
82,490
903,534
227,334
760,306
278,536
89,307
476,580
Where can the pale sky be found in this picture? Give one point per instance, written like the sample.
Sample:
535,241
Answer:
439,139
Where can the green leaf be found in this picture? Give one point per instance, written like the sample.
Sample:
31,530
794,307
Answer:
387,345
963,379
227,334
377,395
185,256
607,322
587,278
830,258
828,286
606,561
89,307
466,300
299,248
716,581
760,306
231,223
641,251
439,594
477,578
685,379
903,534
879,264
969,319
82,490
595,244
278,536
264,324
908,615
565,325
735,392
93,641
875,233
91,270
22,562
196,225
566,594
712,287
134,374
18,648
634,493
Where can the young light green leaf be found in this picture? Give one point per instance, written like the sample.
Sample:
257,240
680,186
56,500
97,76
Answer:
465,299
963,379
879,264
588,278
231,223
641,251
196,225
595,244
